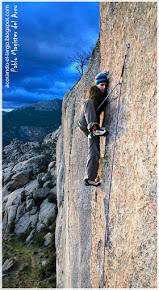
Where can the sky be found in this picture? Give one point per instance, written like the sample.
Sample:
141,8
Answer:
38,39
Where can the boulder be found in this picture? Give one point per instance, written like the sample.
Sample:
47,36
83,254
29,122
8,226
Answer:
12,210
53,173
7,265
10,184
40,227
5,165
5,221
20,211
7,171
14,198
29,197
30,204
41,193
43,263
3,206
5,198
31,186
46,177
51,165
8,178
33,163
33,210
5,191
53,191
20,179
30,237
47,239
47,184
47,210
39,178
24,222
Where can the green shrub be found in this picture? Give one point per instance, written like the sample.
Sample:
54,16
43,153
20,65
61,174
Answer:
39,238
23,236
50,267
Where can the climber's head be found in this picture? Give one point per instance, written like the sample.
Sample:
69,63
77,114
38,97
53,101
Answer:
102,86
101,81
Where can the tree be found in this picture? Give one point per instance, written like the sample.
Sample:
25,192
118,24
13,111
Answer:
80,60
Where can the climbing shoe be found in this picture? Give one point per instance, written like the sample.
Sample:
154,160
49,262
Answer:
92,182
99,132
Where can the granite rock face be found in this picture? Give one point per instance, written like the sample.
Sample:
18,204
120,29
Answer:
131,249
73,230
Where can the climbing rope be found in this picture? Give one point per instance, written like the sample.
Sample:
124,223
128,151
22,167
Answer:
110,186
104,278
121,78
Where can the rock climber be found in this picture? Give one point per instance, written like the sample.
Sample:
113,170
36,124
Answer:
89,121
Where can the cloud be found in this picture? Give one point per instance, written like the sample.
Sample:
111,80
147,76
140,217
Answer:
26,98
48,33
32,84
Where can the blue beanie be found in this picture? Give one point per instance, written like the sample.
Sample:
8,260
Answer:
100,78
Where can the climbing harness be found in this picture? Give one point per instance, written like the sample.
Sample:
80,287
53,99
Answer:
104,278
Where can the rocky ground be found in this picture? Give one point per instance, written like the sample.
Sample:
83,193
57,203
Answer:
29,209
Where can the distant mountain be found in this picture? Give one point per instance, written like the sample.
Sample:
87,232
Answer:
4,113
32,123
49,106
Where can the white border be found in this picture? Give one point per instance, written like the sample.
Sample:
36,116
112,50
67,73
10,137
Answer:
2,1
79,1
1,147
